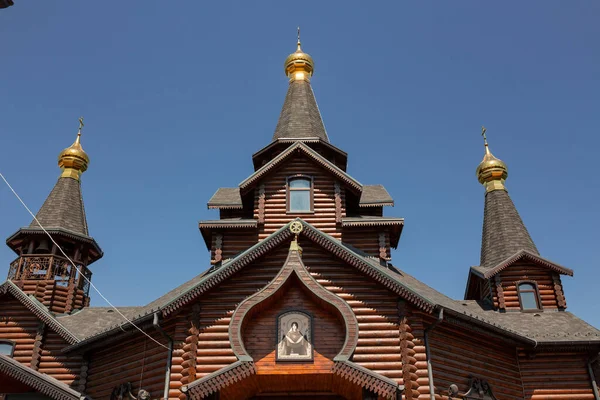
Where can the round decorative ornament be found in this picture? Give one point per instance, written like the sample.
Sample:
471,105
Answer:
296,227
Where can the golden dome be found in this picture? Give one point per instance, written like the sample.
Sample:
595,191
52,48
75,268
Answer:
299,65
491,172
73,160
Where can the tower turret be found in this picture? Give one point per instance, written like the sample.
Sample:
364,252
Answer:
40,268
511,275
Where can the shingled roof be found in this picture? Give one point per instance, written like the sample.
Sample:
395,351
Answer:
63,208
95,323
374,196
300,117
226,198
504,233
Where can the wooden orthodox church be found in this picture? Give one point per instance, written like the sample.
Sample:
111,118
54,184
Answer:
300,300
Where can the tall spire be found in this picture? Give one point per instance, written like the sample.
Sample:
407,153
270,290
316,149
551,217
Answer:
300,117
64,208
39,259
504,233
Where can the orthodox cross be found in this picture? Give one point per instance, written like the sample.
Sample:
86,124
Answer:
298,35
483,130
80,124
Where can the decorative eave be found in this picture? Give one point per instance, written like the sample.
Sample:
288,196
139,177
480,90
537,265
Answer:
39,310
395,225
375,196
42,383
228,223
226,198
361,376
207,227
219,379
488,273
288,141
299,146
18,235
371,221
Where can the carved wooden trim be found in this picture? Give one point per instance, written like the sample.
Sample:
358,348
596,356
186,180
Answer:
214,382
218,248
560,297
367,379
479,389
261,203
338,202
382,246
37,346
292,265
499,292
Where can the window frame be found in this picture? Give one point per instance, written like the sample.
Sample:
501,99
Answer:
536,292
12,343
288,191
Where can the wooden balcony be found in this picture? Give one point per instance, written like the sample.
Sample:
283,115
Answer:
49,267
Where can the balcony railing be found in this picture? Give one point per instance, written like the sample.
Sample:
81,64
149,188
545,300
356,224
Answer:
49,267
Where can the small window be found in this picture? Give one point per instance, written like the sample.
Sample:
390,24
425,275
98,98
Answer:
7,348
528,296
299,194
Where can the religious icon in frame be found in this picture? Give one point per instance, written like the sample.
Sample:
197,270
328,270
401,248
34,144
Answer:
294,336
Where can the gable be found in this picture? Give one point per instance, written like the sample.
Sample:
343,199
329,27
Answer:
37,309
300,147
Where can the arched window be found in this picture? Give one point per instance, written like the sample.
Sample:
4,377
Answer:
7,347
528,296
300,194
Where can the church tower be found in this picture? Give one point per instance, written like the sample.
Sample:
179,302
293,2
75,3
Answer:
41,269
511,276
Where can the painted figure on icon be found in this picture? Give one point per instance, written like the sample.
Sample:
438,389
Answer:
294,330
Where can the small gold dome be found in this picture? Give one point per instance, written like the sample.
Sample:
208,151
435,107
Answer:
491,172
73,160
299,65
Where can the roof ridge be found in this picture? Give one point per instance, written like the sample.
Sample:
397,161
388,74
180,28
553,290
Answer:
310,152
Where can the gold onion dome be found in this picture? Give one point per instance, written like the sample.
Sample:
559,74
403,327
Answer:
491,172
299,65
74,160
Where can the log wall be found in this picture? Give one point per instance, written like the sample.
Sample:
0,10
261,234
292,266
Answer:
456,354
52,361
58,299
549,286
375,307
367,240
555,376
233,242
18,324
135,359
275,211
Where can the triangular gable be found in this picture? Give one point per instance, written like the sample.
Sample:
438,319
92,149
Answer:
42,383
372,269
488,273
38,309
319,159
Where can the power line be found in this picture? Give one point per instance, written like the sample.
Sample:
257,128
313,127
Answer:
75,266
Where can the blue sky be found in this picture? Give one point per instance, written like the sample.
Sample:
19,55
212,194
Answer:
177,96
